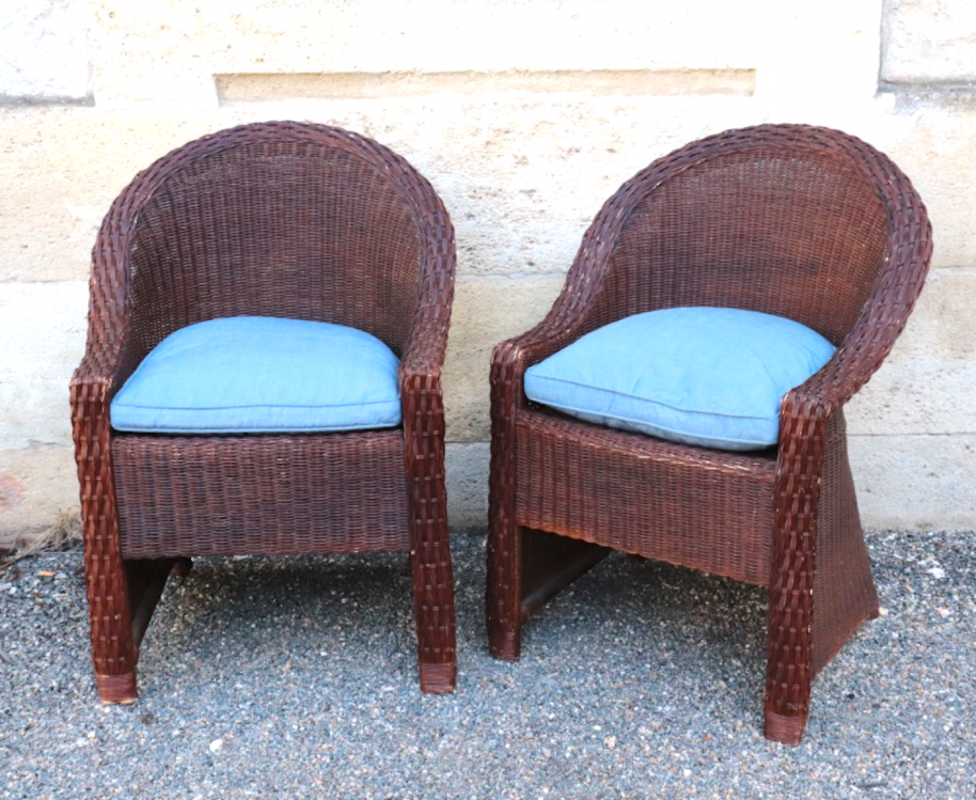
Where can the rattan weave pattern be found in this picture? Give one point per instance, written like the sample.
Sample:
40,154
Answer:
279,219
804,222
226,501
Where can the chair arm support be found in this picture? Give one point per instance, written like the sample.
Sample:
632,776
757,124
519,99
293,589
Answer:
423,427
799,476
566,322
109,360
426,344
423,402
424,455
425,349
101,374
859,356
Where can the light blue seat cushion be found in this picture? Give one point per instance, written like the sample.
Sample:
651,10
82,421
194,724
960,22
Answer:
707,376
261,375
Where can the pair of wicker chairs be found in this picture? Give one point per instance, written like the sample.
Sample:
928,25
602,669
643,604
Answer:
314,223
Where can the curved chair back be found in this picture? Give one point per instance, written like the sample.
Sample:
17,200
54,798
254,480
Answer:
275,219
788,220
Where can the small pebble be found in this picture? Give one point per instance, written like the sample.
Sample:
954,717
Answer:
630,686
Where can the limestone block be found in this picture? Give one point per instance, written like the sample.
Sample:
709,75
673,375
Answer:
467,486
62,168
272,87
169,51
810,52
933,138
43,51
930,136
522,175
43,326
537,170
36,485
915,481
486,311
926,42
926,385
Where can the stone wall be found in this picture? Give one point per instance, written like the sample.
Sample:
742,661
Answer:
525,115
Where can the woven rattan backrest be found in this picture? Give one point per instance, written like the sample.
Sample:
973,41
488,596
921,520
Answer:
277,223
793,222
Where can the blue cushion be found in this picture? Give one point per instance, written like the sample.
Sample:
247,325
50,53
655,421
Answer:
707,376
261,375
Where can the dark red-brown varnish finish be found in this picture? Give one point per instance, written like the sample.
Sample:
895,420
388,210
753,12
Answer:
804,222
286,220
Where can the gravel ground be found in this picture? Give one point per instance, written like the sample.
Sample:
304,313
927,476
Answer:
296,678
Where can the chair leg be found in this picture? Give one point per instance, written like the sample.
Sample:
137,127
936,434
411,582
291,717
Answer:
181,567
789,670
114,651
843,587
438,678
503,594
119,620
433,592
821,589
430,541
526,569
113,646
783,728
146,580
793,567
798,652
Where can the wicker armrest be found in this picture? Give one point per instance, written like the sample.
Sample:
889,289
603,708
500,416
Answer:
110,355
99,370
426,345
882,321
829,389
571,316
510,359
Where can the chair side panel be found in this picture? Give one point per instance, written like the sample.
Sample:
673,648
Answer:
285,495
698,508
844,595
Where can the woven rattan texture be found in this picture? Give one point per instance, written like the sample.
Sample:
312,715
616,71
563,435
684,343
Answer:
278,219
803,222
261,495
598,500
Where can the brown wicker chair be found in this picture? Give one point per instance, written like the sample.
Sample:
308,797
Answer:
279,220
801,222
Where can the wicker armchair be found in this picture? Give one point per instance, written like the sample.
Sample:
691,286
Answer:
801,222
276,220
